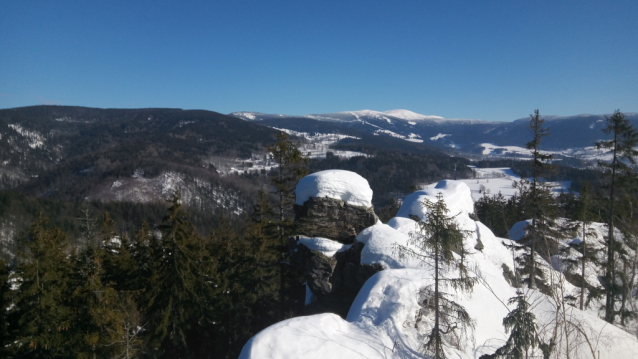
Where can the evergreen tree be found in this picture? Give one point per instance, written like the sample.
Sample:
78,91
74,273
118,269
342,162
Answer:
437,239
114,251
627,223
144,246
536,124
97,318
41,313
520,322
292,166
5,303
177,298
621,146
498,213
236,267
539,205
261,235
584,216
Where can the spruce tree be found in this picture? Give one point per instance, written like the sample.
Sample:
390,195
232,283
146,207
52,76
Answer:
520,322
41,312
437,238
97,319
261,235
5,303
539,205
292,166
622,148
144,246
177,298
627,223
584,217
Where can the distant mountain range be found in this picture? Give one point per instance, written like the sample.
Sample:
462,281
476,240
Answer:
465,135
79,153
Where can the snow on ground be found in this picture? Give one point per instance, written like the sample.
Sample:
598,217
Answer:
412,116
34,139
490,149
338,184
195,192
590,153
387,319
316,146
319,144
440,135
456,193
413,137
491,181
390,133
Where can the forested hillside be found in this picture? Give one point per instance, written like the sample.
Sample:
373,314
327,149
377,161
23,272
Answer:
149,251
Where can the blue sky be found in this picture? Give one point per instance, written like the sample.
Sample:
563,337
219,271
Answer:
491,60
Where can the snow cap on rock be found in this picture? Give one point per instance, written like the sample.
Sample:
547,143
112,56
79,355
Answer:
338,184
457,196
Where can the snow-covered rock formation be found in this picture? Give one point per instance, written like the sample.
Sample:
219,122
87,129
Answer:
338,184
332,208
390,317
334,204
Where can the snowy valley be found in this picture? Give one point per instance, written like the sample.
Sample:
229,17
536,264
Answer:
571,136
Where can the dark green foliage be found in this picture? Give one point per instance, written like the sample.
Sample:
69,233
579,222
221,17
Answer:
498,213
540,237
183,282
584,217
510,277
539,205
72,217
292,166
41,316
520,322
97,329
5,301
438,238
619,173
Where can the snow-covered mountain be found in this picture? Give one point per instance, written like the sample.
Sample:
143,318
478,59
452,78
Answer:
392,315
571,136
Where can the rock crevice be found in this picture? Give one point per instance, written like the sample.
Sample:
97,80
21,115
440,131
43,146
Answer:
334,280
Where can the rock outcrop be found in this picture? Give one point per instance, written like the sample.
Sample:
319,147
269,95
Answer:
334,281
331,208
332,218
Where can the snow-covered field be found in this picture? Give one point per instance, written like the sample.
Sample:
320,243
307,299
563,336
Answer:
491,181
315,145
318,144
389,319
590,153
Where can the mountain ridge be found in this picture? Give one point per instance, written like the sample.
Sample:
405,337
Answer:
457,135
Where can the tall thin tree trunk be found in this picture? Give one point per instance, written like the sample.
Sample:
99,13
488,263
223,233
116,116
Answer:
282,279
532,278
582,271
437,329
611,265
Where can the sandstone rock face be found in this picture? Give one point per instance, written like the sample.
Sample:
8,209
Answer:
335,281
332,218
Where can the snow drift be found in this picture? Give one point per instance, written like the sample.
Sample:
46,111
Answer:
388,318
